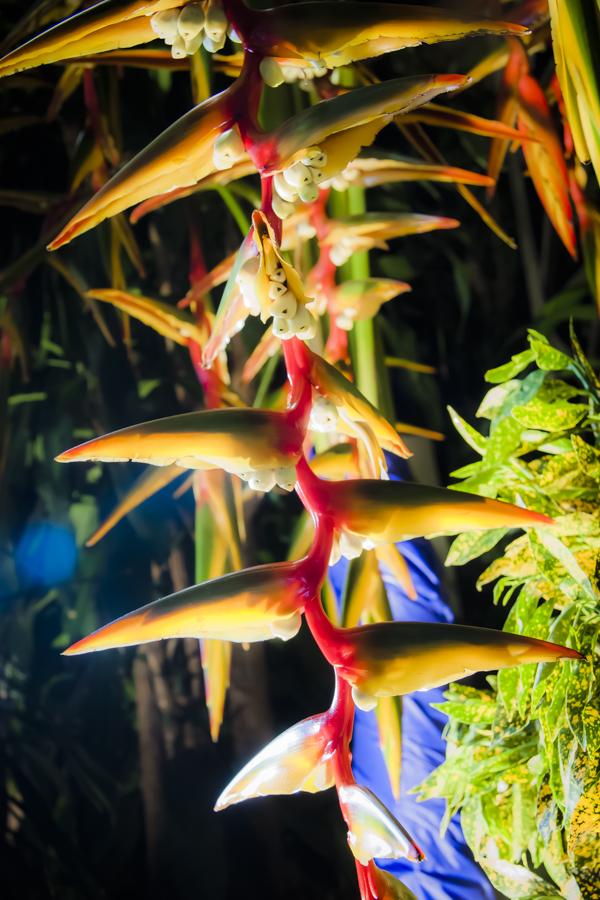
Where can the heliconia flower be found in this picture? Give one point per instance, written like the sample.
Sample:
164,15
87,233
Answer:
112,25
388,512
351,404
355,301
373,832
172,323
366,231
545,160
146,486
327,136
257,445
180,157
370,172
302,40
252,605
271,286
578,76
396,658
300,759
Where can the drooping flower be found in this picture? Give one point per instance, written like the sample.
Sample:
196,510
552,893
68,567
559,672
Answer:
172,323
355,301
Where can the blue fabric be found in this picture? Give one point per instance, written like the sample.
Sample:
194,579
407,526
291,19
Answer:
449,872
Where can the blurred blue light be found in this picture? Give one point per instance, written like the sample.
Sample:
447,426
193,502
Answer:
46,555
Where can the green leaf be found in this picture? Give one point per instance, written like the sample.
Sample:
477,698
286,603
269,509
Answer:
471,544
496,397
517,364
558,416
470,435
548,358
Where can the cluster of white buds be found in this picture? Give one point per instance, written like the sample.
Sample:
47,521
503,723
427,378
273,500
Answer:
344,179
345,320
185,30
290,318
273,73
264,480
323,415
299,182
228,148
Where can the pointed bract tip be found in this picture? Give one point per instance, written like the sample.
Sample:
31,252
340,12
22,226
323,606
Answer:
452,82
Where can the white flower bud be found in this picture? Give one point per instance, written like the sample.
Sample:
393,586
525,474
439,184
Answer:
314,156
365,702
277,290
216,23
178,50
340,183
234,36
291,73
281,207
228,148
285,306
309,192
285,190
323,415
335,554
212,45
306,231
287,628
193,44
344,323
278,275
318,175
350,173
262,481
164,24
282,328
297,175
350,545
271,72
191,21
286,477
340,254
304,325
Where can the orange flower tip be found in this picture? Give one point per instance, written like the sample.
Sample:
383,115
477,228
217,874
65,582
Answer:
448,223
453,82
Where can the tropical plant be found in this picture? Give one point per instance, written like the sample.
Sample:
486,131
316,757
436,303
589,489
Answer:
524,753
302,271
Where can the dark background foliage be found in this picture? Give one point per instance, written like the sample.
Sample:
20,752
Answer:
107,772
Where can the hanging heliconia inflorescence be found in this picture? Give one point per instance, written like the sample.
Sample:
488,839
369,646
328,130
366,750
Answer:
355,511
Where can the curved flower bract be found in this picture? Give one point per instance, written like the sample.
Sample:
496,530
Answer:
252,443
373,832
350,404
396,658
355,301
314,125
365,231
169,321
391,512
108,25
307,38
180,157
297,760
370,172
252,605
